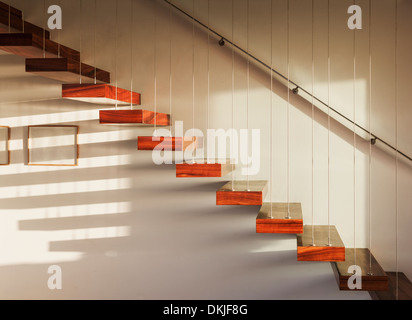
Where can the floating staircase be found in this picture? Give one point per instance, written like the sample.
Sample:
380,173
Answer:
314,243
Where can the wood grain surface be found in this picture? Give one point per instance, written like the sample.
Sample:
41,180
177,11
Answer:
6,7
320,251
271,218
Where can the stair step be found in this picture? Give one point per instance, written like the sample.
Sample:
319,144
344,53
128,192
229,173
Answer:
373,276
137,116
399,287
236,193
30,45
14,11
100,94
65,70
104,245
321,251
205,169
168,143
276,221
11,20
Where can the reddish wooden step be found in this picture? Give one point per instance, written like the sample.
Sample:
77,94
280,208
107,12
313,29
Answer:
205,169
7,7
100,94
399,288
322,250
373,278
138,116
30,45
66,70
236,193
272,218
149,143
11,20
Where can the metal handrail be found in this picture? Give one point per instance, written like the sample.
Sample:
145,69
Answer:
223,40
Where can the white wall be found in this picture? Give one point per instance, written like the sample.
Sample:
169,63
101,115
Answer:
122,227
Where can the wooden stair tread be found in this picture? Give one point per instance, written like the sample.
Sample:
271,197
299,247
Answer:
100,94
95,245
65,70
205,169
30,45
11,20
404,288
236,193
137,116
373,276
276,221
7,7
147,143
321,251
